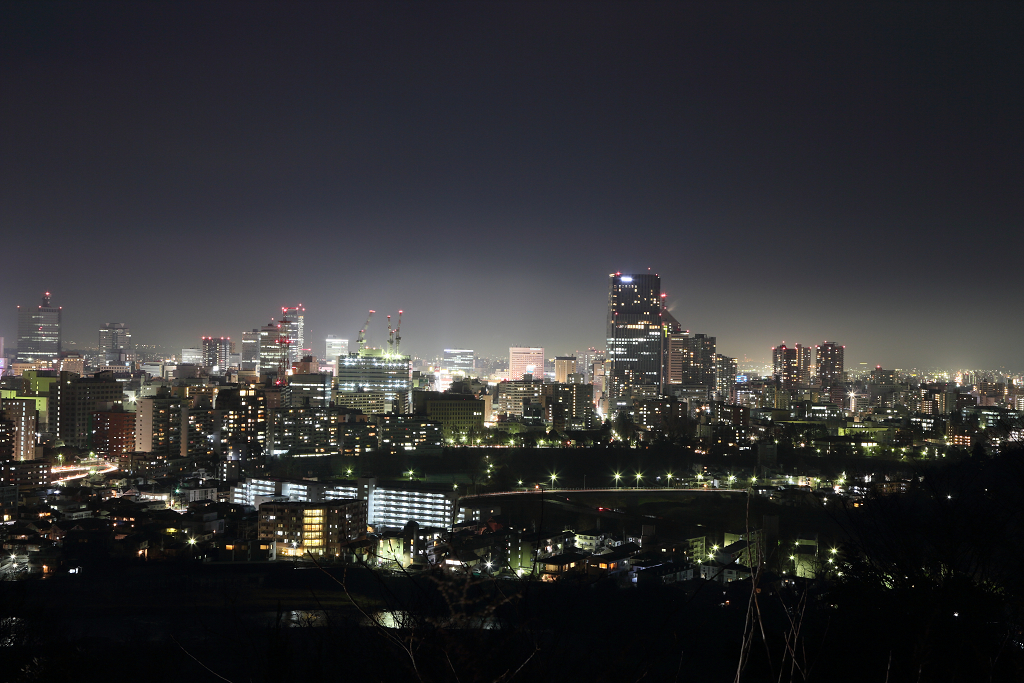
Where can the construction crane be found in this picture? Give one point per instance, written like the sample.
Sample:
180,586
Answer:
361,340
398,332
391,338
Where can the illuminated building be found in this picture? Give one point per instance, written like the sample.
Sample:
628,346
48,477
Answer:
460,362
830,364
192,356
216,352
39,333
293,319
785,366
515,395
386,506
569,405
409,433
376,370
564,366
113,432
115,337
21,413
334,347
250,361
311,528
275,357
369,402
525,360
634,334
26,473
725,376
74,400
243,420
158,425
459,414
313,389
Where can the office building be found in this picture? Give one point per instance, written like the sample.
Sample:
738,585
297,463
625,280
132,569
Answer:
460,362
216,353
569,405
275,354
39,333
564,366
114,338
250,361
634,334
525,360
373,370
113,432
74,400
293,323
830,364
334,347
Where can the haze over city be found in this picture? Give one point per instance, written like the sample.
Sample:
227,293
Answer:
796,172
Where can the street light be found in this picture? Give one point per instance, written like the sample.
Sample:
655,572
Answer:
669,478
638,478
617,476
553,478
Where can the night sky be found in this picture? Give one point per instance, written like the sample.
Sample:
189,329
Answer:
794,172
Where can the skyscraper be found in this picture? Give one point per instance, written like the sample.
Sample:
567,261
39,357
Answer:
564,366
830,364
634,334
217,352
461,362
293,320
785,365
39,333
525,360
115,337
334,347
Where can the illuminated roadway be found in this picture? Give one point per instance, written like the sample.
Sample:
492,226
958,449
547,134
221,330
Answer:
82,471
621,489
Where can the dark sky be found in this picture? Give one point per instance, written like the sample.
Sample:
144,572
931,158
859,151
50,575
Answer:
794,172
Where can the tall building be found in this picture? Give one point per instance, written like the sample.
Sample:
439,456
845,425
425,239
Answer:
274,349
293,321
334,347
564,366
39,333
803,364
374,370
634,334
22,414
830,364
115,337
725,376
786,365
251,350
525,360
217,352
459,362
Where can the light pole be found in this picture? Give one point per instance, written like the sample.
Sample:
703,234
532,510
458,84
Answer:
553,478
617,476
638,478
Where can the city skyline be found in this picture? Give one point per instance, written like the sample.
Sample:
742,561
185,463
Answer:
800,173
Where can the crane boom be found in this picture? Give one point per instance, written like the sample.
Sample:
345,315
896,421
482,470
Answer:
398,332
361,341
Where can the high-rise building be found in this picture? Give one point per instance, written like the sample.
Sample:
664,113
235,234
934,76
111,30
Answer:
217,352
634,334
830,364
725,375
39,333
786,365
274,348
251,350
115,337
22,414
334,347
372,370
803,364
461,362
525,360
293,321
564,366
